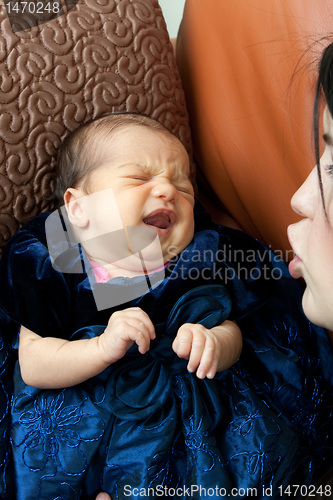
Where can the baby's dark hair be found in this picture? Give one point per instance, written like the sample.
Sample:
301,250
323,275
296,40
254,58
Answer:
324,89
78,155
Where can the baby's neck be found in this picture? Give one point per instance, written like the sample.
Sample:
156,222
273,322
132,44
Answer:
105,271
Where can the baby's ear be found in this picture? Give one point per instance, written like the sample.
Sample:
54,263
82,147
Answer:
75,207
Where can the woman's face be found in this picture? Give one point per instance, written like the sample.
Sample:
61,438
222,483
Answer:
312,237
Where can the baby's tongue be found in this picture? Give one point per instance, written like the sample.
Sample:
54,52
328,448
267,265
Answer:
157,220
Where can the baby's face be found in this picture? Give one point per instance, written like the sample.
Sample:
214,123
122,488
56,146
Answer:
148,173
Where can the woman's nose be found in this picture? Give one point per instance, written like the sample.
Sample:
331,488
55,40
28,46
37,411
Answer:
166,190
305,200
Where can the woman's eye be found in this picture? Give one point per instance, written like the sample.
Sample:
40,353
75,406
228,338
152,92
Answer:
329,169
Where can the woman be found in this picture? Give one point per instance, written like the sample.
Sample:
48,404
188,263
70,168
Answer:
312,237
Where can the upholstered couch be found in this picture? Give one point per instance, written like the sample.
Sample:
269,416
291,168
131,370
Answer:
95,58
247,67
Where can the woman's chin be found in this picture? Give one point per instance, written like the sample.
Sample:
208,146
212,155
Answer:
316,313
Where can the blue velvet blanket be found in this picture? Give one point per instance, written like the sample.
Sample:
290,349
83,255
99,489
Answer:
145,426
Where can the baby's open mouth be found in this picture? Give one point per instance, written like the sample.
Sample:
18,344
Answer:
160,219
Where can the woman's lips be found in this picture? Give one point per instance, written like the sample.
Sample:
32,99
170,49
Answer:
294,267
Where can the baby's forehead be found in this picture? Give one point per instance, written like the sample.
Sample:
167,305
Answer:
129,130
126,142
103,129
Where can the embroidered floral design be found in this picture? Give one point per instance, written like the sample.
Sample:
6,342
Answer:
5,389
286,334
260,463
200,453
4,397
66,491
314,409
51,433
245,422
261,459
163,470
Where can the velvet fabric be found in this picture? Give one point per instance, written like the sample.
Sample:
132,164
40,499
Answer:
145,426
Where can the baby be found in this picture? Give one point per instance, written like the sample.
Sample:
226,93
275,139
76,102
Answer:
126,380
125,182
145,173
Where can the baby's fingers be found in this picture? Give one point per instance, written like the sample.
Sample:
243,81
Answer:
141,320
183,342
209,359
197,349
140,337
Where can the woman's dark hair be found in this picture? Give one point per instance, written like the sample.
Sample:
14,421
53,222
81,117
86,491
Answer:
324,89
79,154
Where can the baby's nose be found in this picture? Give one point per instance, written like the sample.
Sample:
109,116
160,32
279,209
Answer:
166,190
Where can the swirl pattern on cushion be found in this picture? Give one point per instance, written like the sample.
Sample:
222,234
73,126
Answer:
98,57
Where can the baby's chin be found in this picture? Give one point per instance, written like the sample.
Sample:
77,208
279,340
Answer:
175,246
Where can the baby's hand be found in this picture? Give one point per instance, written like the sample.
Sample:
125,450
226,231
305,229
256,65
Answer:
125,328
200,346
208,351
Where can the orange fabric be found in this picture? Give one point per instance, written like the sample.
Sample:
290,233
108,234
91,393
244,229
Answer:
248,70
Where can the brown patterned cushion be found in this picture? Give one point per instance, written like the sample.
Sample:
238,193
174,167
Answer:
100,56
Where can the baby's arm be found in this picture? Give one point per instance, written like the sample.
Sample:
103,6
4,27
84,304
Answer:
53,363
208,351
